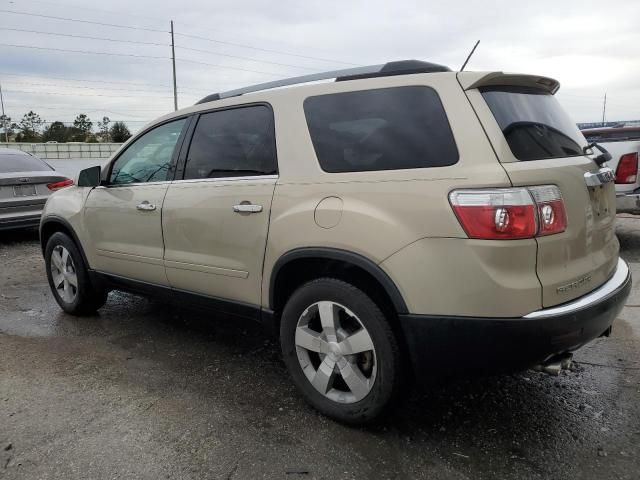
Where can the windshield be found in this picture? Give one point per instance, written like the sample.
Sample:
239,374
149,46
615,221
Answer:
534,124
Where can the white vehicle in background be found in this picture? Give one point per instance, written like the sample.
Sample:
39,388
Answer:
623,143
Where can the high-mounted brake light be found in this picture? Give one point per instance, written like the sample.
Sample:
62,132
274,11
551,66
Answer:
627,170
509,213
61,184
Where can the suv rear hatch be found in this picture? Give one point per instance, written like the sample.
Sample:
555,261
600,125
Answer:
538,144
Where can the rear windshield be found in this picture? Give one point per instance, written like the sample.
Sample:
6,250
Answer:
380,129
534,124
15,162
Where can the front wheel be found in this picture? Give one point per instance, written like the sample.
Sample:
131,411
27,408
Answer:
69,279
341,351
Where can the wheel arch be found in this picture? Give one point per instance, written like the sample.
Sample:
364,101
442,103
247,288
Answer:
53,224
304,264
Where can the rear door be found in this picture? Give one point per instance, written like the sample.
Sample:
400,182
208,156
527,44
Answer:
215,219
538,144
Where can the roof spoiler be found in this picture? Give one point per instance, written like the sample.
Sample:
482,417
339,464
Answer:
470,80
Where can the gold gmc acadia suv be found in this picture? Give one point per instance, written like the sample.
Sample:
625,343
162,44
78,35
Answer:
392,222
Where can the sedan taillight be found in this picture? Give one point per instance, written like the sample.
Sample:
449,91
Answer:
510,213
61,184
627,170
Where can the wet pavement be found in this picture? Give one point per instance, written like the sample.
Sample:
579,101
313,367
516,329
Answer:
145,390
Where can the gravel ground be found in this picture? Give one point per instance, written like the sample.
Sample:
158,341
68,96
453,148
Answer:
144,390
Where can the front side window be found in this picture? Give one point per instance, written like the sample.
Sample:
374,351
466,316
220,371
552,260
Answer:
381,129
534,124
148,159
232,143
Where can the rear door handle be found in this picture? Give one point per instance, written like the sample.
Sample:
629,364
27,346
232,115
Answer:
146,206
247,208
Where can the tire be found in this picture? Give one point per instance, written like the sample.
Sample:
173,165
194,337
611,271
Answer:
81,299
351,388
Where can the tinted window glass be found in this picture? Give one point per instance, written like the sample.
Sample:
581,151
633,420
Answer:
383,129
16,162
236,142
534,124
148,159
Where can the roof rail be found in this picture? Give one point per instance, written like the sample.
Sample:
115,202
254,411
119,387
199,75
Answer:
403,67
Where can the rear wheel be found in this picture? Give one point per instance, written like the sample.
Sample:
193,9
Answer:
69,279
341,351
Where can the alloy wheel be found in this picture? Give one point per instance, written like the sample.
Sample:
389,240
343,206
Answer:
63,274
336,352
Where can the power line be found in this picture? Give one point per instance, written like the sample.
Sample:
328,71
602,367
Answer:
67,19
109,12
48,77
264,49
88,52
156,19
86,80
85,36
90,109
87,95
89,88
245,58
224,66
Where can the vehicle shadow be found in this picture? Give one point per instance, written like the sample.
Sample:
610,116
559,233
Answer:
465,412
10,237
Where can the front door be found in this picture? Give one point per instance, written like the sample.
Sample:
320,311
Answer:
215,220
123,218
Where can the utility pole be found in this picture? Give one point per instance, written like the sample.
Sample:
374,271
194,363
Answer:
173,61
4,120
604,107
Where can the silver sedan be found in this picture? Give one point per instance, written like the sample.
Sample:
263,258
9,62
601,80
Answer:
25,183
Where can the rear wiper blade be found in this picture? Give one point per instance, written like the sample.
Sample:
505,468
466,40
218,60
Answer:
601,159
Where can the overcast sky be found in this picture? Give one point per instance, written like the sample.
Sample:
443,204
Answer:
591,47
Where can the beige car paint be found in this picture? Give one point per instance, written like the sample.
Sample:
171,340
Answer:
122,239
211,249
589,247
399,219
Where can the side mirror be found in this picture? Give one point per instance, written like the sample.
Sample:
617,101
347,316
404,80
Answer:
89,177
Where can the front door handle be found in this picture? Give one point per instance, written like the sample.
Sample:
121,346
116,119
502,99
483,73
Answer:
247,208
146,206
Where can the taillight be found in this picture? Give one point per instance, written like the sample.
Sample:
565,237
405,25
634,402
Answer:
67,182
551,215
627,170
509,213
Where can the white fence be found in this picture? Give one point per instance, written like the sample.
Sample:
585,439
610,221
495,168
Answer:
54,151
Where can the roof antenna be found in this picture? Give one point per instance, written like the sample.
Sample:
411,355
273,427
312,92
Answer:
471,53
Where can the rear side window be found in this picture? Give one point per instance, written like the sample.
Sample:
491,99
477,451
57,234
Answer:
236,142
534,124
15,162
382,129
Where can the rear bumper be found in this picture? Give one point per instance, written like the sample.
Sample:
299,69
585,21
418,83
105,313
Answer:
454,345
628,203
22,221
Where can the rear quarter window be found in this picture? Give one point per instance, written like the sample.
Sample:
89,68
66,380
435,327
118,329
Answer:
380,129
